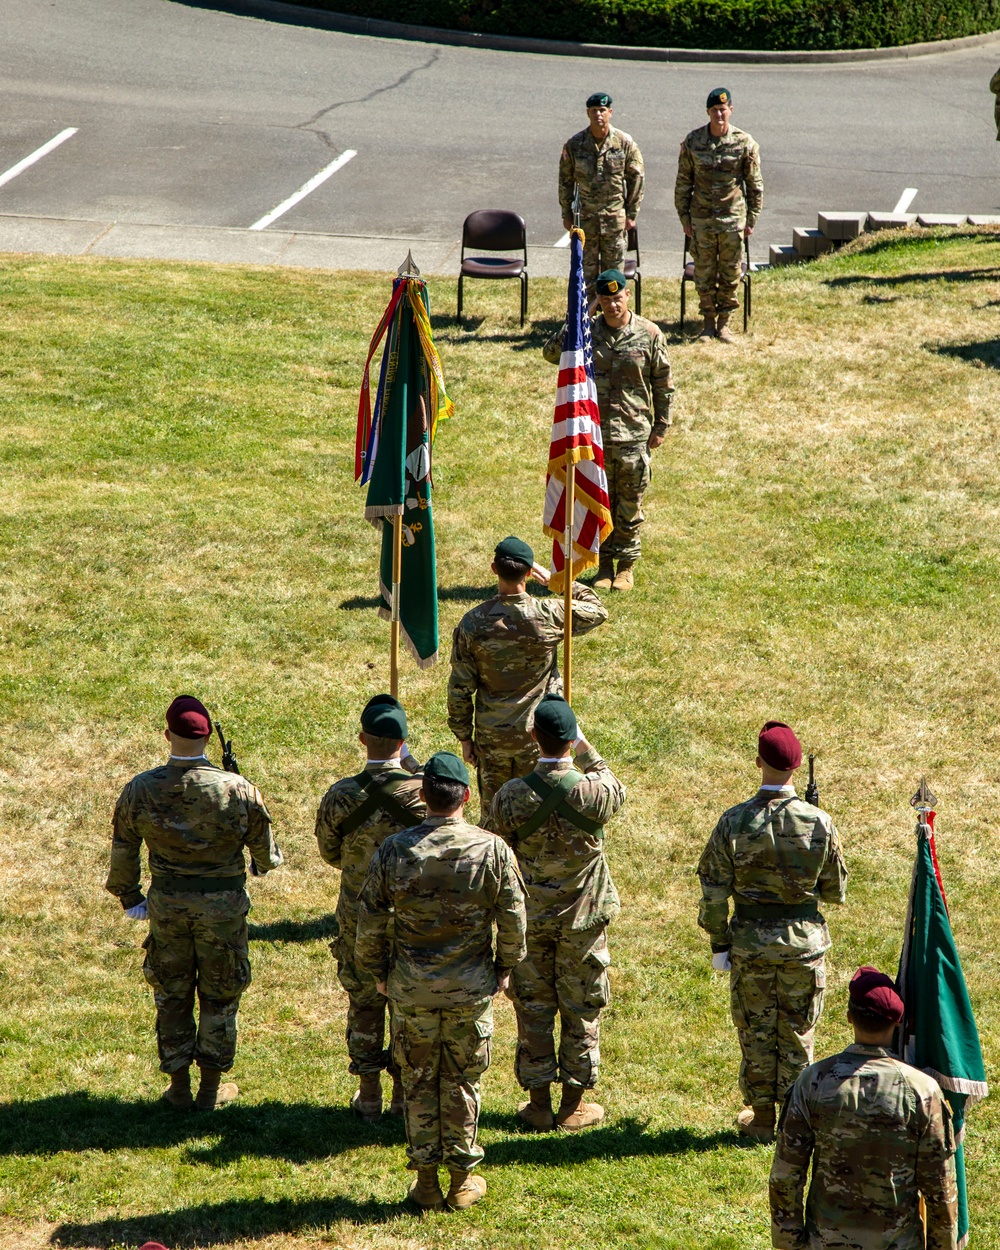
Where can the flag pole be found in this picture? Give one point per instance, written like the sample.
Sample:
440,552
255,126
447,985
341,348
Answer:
568,587
397,571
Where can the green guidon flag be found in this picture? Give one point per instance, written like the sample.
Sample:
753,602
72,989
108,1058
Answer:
393,459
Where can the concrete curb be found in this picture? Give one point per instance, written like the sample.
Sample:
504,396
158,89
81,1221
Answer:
277,10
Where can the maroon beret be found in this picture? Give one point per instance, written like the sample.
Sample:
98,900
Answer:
875,993
187,717
779,747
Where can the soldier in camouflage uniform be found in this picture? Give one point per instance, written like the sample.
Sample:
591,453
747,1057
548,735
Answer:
445,884
195,820
606,165
778,857
504,657
879,1136
995,88
553,819
634,390
718,196
355,816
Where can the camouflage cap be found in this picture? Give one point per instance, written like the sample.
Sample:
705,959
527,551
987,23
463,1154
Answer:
446,766
599,100
778,746
875,994
188,717
610,282
554,718
383,717
721,95
515,549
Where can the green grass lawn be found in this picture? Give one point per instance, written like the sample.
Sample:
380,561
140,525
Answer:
177,514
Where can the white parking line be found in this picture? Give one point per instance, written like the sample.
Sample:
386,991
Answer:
44,150
905,200
316,181
563,242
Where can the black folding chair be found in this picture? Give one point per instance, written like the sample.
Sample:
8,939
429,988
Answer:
496,230
746,281
630,267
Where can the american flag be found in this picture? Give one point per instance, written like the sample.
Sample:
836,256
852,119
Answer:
576,440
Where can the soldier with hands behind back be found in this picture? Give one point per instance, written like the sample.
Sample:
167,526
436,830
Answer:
554,821
195,820
446,885
778,858
355,816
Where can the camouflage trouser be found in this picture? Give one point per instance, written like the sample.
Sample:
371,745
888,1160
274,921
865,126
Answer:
441,1056
629,474
497,763
775,1009
197,943
717,268
366,1007
565,972
603,247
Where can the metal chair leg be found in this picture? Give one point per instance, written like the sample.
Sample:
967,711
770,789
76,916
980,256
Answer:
459,318
524,297
683,303
638,294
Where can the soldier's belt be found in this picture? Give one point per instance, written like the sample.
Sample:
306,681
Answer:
777,911
196,885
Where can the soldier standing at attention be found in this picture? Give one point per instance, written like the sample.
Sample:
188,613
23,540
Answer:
504,657
634,390
606,165
879,1136
446,884
777,857
718,196
355,816
195,820
995,88
554,821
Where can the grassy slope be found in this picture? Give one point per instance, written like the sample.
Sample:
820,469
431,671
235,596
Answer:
178,514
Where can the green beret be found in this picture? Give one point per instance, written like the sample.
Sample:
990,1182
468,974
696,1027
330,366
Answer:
383,717
610,282
554,717
389,700
599,100
721,95
515,549
446,766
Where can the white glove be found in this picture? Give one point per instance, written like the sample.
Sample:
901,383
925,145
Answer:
404,752
138,912
721,961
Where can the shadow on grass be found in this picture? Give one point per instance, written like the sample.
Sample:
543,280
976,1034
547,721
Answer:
468,594
985,353
313,930
624,1139
297,1132
212,1223
359,602
909,279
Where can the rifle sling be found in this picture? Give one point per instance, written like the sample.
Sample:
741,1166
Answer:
378,799
554,800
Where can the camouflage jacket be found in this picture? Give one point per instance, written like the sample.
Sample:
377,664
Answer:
445,883
719,183
774,849
564,868
878,1133
610,177
632,375
195,820
352,853
504,657
995,88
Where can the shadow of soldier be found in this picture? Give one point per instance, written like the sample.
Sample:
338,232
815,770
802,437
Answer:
314,929
622,1139
982,355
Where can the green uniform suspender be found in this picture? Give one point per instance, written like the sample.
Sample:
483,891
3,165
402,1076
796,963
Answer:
554,800
378,798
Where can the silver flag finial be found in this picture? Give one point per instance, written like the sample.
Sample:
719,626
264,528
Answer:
925,799
408,269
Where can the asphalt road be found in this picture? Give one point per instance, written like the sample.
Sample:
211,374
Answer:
190,117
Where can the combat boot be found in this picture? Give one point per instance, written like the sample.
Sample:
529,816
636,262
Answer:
397,1105
575,1114
178,1093
367,1102
605,574
757,1122
466,1188
723,331
708,329
212,1094
625,579
537,1112
426,1189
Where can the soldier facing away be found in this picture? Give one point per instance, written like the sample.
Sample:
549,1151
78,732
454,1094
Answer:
879,1136
634,391
445,884
504,657
778,857
718,196
606,165
554,821
195,820
355,816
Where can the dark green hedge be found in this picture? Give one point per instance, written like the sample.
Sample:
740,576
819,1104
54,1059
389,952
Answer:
777,24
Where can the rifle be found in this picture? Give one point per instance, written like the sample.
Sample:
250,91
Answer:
812,789
230,765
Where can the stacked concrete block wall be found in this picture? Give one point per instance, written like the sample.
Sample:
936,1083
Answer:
833,230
